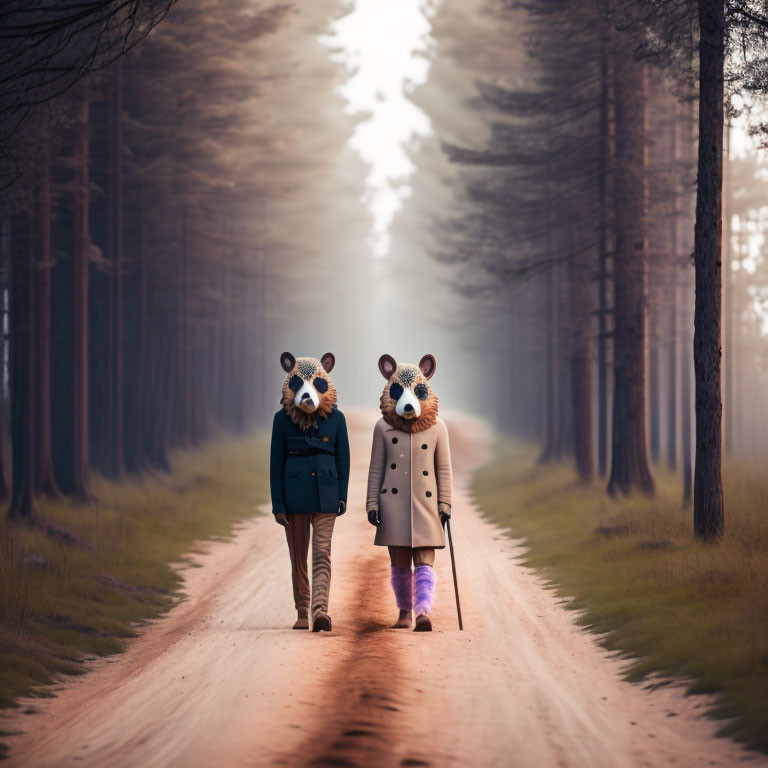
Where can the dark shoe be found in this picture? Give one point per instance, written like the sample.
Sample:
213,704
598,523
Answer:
321,623
302,620
403,620
423,623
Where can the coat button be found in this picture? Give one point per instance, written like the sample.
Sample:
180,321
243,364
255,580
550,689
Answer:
393,466
429,493
394,440
424,446
394,490
425,473
383,490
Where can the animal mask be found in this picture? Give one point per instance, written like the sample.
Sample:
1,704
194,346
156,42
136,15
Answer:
408,402
307,391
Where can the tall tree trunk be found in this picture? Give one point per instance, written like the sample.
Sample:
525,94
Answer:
262,337
602,266
672,297
741,298
654,370
22,367
580,327
708,508
115,372
80,262
44,475
658,251
144,355
183,396
629,464
686,304
730,314
6,263
565,426
686,387
672,301
550,387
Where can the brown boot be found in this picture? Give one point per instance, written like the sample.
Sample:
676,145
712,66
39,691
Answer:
321,622
302,619
423,623
403,620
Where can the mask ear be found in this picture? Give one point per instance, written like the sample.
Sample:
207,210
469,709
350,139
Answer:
328,361
287,360
387,366
428,365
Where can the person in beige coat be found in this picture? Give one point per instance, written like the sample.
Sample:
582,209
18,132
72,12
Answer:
409,484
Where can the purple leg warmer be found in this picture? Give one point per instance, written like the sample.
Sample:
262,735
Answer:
402,584
424,578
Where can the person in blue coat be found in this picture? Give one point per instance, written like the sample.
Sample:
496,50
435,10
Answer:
309,477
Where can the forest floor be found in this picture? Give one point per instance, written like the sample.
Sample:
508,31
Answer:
222,680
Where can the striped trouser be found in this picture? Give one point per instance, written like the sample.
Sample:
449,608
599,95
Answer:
297,532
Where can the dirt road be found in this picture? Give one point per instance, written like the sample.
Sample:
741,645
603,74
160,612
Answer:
222,681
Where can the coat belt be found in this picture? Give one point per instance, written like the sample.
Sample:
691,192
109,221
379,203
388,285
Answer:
313,452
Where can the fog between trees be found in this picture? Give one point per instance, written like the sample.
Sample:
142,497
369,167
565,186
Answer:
176,219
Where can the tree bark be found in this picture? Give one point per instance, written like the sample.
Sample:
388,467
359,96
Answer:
686,321
6,262
629,464
22,368
565,425
115,372
45,480
580,326
144,356
708,507
672,301
550,386
80,263
183,396
730,315
602,267
672,310
654,374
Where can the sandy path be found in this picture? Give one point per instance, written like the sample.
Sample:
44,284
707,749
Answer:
220,681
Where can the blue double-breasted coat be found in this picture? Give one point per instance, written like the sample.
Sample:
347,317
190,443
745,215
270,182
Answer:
309,469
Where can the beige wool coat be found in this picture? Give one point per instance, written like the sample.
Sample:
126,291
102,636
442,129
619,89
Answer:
410,474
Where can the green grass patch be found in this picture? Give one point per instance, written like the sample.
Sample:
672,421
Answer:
673,606
62,602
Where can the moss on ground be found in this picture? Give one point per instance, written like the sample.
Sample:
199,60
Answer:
670,604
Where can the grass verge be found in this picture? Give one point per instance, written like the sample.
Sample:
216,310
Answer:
63,601
670,604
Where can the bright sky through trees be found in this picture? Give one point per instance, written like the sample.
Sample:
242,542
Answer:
383,43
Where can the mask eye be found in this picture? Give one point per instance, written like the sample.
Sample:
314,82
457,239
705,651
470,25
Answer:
395,391
321,385
295,383
421,391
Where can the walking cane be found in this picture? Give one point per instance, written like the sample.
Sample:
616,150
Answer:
453,567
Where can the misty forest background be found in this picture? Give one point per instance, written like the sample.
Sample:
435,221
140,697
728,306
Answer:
577,235
178,208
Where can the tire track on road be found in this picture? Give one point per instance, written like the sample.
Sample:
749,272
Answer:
365,718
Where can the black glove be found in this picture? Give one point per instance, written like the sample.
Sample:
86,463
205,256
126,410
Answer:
445,514
342,508
374,517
